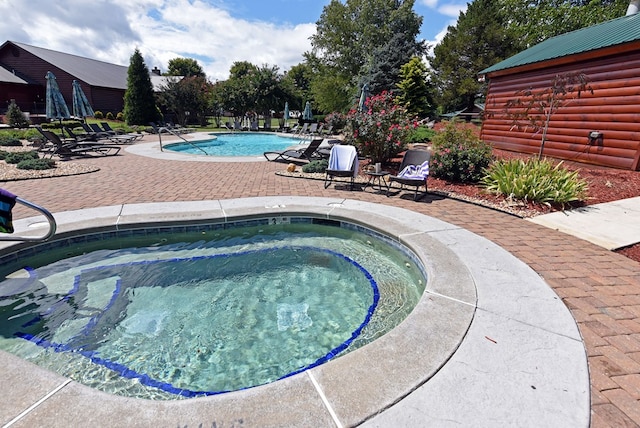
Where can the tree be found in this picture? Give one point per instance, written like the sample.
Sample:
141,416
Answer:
185,67
187,98
251,89
331,91
353,42
534,21
534,107
15,117
139,102
268,90
479,39
382,72
297,82
414,92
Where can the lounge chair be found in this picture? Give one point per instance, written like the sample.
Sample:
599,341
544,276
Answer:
328,130
303,130
101,134
228,125
293,130
308,153
179,129
414,171
254,126
313,128
66,149
78,138
95,135
343,162
107,128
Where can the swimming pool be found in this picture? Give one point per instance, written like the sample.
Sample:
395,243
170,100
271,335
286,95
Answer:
184,311
236,144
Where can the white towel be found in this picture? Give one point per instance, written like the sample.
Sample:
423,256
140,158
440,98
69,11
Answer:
342,157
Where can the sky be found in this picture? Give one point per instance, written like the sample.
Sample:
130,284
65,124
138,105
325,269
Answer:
216,33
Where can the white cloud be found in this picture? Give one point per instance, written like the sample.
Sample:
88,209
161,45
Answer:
430,3
162,30
452,10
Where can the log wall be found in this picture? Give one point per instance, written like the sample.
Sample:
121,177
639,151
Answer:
613,110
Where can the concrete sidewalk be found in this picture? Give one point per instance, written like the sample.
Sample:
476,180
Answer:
611,225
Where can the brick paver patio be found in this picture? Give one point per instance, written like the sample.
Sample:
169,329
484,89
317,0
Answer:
601,288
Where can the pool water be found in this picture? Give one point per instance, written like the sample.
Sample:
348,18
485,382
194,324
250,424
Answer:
236,144
165,316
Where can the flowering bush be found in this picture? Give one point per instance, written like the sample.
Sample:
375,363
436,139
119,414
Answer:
458,155
381,131
336,119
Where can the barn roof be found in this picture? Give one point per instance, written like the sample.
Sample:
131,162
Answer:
7,76
607,34
91,71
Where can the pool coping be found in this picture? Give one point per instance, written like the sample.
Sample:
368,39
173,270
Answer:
152,149
508,349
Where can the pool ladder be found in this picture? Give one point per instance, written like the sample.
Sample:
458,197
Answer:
46,213
171,131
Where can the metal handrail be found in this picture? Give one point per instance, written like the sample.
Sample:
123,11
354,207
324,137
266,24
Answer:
169,130
46,213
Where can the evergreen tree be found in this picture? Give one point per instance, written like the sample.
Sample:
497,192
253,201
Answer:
382,72
362,41
414,92
534,21
139,101
479,39
15,118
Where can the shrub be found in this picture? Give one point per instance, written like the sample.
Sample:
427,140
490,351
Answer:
98,114
316,166
15,117
336,119
381,131
535,180
17,157
110,116
458,155
421,134
38,164
120,116
8,140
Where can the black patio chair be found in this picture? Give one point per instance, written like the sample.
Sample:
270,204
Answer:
414,158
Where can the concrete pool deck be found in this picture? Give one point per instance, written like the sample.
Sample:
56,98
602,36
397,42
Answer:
600,288
486,325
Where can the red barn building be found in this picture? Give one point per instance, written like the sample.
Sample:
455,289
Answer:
104,84
600,128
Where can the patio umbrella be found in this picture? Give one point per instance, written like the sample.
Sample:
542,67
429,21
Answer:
286,111
362,107
81,106
56,106
306,114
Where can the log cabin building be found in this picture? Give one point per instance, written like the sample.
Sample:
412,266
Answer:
600,126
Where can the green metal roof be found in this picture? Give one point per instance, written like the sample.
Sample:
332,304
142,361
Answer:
610,33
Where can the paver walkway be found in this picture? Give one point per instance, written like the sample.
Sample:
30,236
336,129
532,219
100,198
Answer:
601,288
